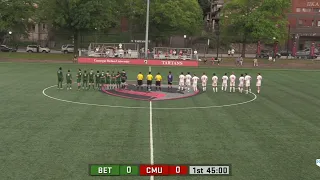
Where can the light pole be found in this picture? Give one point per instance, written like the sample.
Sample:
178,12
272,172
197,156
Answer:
218,38
289,32
275,48
147,31
185,40
96,34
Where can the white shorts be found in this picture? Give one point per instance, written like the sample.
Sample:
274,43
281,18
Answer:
224,84
214,84
204,84
188,83
194,85
247,84
258,84
241,85
181,83
232,83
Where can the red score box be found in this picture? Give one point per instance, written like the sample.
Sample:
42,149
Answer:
154,170
178,170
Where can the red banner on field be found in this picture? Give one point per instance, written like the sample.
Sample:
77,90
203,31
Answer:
153,62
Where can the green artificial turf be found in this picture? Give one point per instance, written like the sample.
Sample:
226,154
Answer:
35,56
274,137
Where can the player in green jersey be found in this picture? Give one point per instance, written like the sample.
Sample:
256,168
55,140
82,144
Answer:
69,80
123,80
60,78
91,79
98,80
118,80
79,76
102,79
108,80
85,80
113,80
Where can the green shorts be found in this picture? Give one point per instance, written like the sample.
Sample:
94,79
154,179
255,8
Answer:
118,82
108,82
113,82
78,80
97,81
102,81
60,79
91,81
69,82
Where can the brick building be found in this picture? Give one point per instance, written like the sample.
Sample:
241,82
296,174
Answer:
304,21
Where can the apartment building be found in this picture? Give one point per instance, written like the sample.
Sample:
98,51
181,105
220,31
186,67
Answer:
304,21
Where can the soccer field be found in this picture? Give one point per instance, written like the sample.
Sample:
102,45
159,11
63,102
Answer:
273,135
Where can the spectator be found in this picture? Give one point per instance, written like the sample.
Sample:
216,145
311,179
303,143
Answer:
241,61
195,52
129,52
174,52
255,62
229,52
232,52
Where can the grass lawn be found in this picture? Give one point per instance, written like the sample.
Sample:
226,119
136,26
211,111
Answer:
274,137
36,56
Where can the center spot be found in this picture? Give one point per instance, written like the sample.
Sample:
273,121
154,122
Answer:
132,92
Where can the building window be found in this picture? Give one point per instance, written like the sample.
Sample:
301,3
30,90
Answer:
298,9
318,24
316,10
306,9
43,26
300,22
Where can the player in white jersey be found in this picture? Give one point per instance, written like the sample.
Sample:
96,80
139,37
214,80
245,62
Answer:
258,84
204,79
247,79
188,78
233,82
224,82
215,82
241,83
181,82
195,80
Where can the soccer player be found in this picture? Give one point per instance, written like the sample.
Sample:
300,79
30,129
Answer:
188,78
170,80
233,82
158,79
69,80
195,83
149,81
139,80
118,80
79,76
247,79
98,80
60,78
258,84
91,79
215,82
241,82
123,79
85,80
224,82
204,79
102,79
113,80
108,80
181,82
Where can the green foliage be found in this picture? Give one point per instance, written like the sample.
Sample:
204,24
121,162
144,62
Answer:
253,20
15,15
205,6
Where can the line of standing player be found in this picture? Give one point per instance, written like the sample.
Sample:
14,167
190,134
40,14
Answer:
185,82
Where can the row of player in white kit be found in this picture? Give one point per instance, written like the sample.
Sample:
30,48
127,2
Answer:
244,81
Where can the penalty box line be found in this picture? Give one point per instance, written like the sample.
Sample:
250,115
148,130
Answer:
151,134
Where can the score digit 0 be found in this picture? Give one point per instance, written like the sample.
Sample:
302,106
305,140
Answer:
129,169
178,169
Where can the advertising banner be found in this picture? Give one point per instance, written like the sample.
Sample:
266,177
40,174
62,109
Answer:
124,61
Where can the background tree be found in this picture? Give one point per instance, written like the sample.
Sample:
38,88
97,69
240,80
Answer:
252,20
205,6
15,16
79,16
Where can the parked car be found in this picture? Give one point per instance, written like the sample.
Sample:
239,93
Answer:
305,54
68,48
285,53
37,49
267,53
4,48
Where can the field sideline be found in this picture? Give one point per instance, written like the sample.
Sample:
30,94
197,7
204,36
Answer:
273,137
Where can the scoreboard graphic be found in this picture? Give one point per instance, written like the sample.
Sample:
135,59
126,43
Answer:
159,170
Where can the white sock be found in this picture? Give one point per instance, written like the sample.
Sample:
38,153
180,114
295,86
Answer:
230,88
221,88
249,89
234,89
214,89
225,88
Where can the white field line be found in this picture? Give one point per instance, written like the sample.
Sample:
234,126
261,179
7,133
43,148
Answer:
151,140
